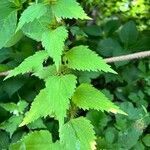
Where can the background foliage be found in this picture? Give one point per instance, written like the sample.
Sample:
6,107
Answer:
119,27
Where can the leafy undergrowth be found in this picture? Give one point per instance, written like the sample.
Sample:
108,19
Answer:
61,94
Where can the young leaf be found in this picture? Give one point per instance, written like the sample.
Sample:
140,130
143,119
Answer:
53,100
53,41
88,97
35,141
69,9
34,11
82,58
78,134
31,63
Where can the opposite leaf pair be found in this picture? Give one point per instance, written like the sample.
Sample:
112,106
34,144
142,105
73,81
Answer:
60,88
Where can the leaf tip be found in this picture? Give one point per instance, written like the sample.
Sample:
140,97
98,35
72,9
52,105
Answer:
118,111
88,18
22,124
7,77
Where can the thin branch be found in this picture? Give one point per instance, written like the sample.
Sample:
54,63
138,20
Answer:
138,55
4,73
128,57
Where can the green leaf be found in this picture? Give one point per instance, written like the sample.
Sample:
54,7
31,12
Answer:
15,108
34,11
110,135
78,134
4,140
88,97
53,41
11,124
4,68
37,124
13,85
35,141
68,9
107,47
129,33
146,140
8,27
139,146
82,58
45,72
56,95
14,39
128,138
31,63
37,27
5,53
86,76
39,108
93,30
98,119
133,113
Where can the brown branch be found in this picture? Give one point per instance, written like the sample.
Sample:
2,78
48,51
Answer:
137,55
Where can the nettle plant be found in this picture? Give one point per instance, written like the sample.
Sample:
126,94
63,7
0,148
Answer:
62,96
